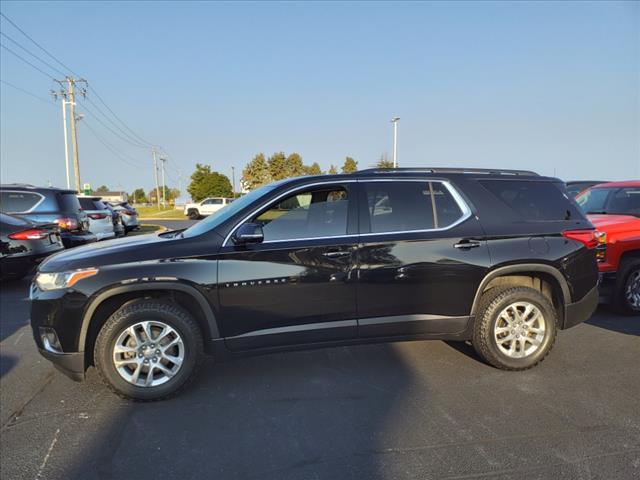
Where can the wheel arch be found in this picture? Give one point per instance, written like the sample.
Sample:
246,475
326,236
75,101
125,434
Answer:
560,294
108,301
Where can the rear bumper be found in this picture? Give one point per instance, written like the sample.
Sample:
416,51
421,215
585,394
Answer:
606,284
71,364
75,239
105,235
578,312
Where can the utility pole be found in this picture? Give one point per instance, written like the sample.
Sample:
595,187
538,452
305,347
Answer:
74,134
395,120
66,142
233,184
155,172
164,185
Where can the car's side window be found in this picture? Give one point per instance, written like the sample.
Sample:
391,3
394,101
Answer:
409,205
18,202
319,212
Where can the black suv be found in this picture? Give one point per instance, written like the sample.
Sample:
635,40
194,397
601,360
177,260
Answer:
49,205
501,258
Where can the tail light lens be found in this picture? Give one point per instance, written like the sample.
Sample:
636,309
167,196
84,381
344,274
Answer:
97,216
587,237
131,213
32,234
601,248
67,223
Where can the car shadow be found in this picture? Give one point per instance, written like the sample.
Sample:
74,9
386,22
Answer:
14,296
629,325
309,414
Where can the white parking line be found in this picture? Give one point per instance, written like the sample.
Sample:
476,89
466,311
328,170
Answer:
46,457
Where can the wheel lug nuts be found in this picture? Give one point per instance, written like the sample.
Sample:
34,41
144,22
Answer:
155,359
157,352
146,361
140,355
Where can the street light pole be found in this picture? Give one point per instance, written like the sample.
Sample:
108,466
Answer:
233,181
395,120
66,141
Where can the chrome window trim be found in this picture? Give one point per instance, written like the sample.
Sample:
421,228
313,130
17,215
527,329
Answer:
32,193
466,211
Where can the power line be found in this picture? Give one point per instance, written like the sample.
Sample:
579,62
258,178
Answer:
38,45
131,139
26,61
126,140
31,53
111,148
42,99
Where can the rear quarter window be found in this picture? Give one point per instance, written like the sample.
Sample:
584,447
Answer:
534,200
19,202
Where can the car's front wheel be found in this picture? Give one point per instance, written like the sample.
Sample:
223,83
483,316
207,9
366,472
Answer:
148,350
515,327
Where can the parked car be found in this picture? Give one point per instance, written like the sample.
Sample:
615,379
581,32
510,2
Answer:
501,258
128,214
49,205
118,225
614,209
100,220
206,207
24,244
576,186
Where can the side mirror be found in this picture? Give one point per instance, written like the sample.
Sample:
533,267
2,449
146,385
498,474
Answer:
248,233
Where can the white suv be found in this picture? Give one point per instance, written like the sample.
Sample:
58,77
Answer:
206,207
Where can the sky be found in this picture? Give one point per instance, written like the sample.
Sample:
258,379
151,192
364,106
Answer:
552,87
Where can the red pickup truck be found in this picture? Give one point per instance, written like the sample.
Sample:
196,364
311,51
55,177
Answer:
614,209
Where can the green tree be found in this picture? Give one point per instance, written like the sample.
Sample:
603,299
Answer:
278,166
314,169
101,189
350,165
256,173
384,162
333,170
207,183
138,196
294,166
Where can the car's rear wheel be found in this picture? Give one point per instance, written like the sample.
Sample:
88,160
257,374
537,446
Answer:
194,214
148,350
626,295
515,327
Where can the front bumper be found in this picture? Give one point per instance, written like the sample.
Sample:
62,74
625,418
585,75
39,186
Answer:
580,311
71,364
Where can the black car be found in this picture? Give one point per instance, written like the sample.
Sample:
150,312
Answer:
24,244
48,205
501,258
575,187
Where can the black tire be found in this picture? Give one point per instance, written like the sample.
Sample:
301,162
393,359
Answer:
130,314
492,303
194,214
629,268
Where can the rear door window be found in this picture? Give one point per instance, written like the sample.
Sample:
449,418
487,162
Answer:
19,202
408,206
534,200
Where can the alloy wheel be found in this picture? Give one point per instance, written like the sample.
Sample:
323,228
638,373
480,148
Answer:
519,329
148,354
632,290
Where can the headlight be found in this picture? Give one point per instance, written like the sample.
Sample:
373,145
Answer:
54,281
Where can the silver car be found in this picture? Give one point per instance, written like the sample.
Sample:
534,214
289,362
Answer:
128,214
100,220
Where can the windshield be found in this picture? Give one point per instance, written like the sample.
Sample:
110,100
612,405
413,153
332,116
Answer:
616,201
226,212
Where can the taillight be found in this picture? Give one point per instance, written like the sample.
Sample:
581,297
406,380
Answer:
587,237
32,234
67,223
601,248
97,216
131,213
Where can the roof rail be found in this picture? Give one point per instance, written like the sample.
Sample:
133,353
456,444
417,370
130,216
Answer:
17,184
485,171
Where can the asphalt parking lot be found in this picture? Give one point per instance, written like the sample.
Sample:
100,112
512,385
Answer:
394,411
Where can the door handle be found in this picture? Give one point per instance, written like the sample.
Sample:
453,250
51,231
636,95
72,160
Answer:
336,254
466,244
